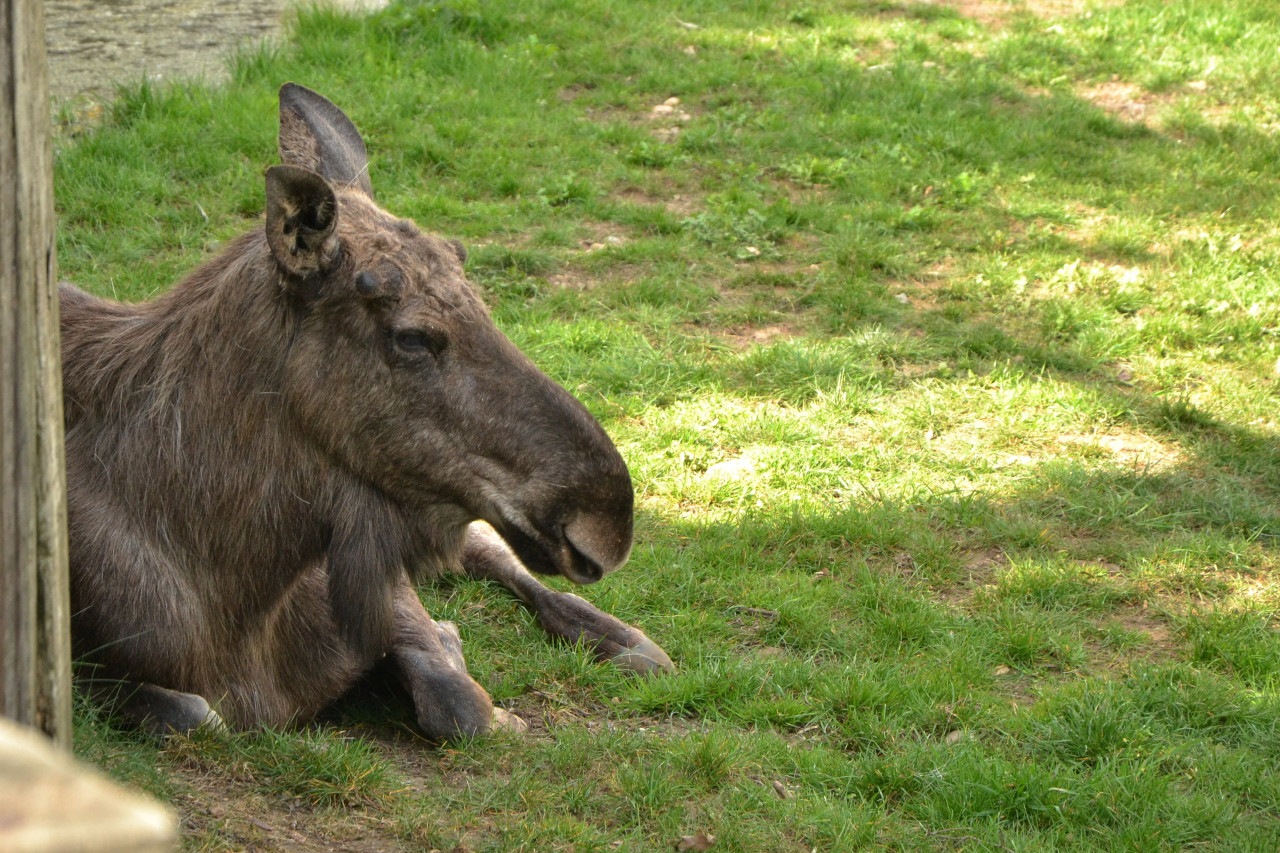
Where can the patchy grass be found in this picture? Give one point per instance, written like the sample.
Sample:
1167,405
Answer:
941,339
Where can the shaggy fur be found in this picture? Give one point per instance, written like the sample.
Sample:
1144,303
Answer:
257,457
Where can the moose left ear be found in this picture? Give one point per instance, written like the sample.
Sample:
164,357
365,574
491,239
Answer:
316,135
302,212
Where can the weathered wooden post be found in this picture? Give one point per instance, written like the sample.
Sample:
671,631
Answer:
47,802
35,645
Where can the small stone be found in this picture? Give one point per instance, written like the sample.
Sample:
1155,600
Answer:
1001,670
903,298
953,737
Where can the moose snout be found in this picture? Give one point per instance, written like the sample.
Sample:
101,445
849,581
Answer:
600,541
559,490
584,549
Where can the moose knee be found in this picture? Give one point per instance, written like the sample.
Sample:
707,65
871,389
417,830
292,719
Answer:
448,703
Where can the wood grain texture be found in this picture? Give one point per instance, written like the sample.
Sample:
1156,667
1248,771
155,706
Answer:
35,682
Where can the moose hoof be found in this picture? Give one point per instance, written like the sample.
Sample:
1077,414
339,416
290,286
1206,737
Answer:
162,713
213,722
645,657
505,721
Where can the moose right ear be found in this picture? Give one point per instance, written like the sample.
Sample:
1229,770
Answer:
302,213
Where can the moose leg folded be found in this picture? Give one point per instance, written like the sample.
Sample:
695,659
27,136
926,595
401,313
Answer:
562,614
148,708
427,656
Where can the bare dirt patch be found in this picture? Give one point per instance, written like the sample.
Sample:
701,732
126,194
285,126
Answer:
669,119
680,204
1049,9
240,818
573,279
1159,643
744,337
980,567
997,13
1130,449
992,13
602,235
1127,101
1157,630
923,289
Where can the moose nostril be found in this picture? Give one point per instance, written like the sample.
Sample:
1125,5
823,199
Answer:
366,283
579,567
603,542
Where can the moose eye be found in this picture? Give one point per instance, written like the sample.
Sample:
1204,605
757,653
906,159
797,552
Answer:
418,342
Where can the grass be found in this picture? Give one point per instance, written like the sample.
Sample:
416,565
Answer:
941,340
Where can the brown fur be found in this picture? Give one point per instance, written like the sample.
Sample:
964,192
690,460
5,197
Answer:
256,457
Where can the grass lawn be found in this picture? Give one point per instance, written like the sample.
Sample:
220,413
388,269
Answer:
941,339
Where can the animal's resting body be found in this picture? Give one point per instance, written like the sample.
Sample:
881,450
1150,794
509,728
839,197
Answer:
261,460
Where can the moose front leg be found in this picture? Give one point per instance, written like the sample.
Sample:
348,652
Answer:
155,710
562,614
427,656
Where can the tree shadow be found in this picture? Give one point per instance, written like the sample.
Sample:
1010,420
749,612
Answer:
964,146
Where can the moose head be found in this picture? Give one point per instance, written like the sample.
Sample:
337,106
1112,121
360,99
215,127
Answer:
400,374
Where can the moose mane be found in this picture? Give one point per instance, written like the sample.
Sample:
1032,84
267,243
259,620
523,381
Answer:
226,317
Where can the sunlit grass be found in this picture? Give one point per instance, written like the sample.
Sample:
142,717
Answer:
941,341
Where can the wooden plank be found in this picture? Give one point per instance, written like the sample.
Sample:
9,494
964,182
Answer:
35,682
49,804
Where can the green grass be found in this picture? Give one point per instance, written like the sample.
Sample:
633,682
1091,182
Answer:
982,313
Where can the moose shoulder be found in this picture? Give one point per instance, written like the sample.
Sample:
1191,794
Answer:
262,459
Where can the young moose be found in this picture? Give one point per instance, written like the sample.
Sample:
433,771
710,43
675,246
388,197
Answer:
260,460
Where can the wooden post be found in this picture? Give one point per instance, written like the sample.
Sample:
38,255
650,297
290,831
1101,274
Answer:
35,645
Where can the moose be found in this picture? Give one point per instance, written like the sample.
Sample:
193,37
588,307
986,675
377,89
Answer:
263,460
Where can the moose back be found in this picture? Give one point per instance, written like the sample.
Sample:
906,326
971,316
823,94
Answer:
261,460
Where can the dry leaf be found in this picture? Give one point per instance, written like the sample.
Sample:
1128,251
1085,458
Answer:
695,843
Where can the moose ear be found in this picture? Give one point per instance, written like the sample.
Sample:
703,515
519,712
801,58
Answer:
302,212
316,135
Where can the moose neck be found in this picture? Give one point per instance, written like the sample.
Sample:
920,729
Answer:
180,401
